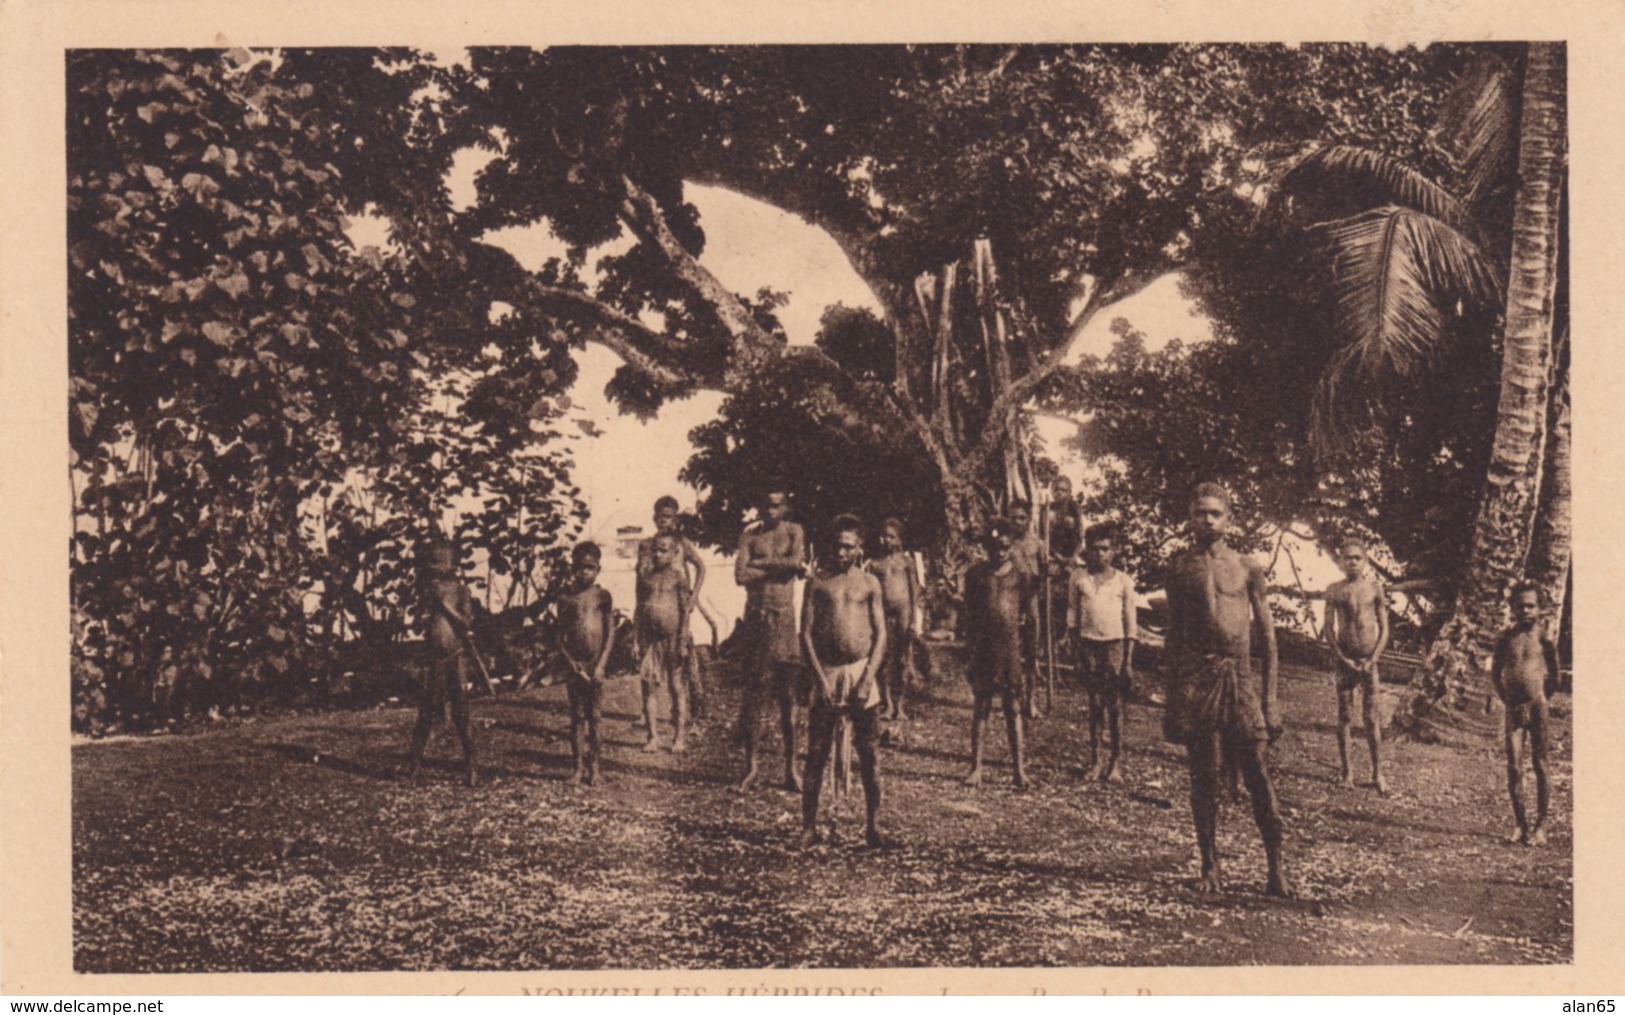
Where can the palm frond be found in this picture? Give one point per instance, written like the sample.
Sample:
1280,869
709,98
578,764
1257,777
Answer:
1479,121
1359,178
1397,278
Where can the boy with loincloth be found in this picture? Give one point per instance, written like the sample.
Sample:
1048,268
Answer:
844,633
772,557
1523,675
1030,555
899,587
448,611
661,624
666,512
1216,600
585,631
999,604
1100,623
1356,632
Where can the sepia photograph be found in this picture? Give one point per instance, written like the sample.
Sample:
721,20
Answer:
833,500
819,506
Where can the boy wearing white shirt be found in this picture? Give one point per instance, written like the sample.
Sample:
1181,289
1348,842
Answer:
1100,620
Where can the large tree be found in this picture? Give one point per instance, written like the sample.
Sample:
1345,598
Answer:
240,373
996,200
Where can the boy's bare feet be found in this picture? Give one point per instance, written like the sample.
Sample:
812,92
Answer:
875,840
1280,887
1381,785
1113,773
974,778
1209,883
810,837
651,745
1537,837
578,777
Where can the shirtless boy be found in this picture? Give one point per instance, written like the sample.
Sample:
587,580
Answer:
1031,556
661,624
447,613
1217,600
1524,673
1356,632
843,629
693,566
585,630
999,604
899,586
772,556
1100,623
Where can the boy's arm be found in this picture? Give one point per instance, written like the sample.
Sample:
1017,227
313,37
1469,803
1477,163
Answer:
692,556
1549,649
1074,604
606,609
1131,630
807,636
877,625
1258,591
913,594
1497,667
1381,606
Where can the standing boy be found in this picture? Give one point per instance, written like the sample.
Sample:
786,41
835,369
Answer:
585,633
1356,632
999,603
693,566
1524,673
844,632
661,622
772,556
1100,622
1030,555
447,611
899,586
1216,600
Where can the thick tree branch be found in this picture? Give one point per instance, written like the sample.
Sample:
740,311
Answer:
752,343
638,346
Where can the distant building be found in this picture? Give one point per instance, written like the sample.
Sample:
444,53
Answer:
627,538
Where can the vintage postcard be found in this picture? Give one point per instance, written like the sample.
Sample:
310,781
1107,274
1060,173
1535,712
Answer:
834,500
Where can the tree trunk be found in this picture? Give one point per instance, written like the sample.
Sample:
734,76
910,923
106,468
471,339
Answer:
1550,554
1458,660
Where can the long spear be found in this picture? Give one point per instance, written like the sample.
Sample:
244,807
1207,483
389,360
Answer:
1049,607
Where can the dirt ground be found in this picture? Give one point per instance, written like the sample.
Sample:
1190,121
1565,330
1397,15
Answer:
291,844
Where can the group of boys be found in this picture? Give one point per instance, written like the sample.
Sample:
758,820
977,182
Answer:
846,659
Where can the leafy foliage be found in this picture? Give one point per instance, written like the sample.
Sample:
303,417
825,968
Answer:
236,365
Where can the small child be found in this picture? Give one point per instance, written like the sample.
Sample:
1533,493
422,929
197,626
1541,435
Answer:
666,515
661,622
899,584
999,600
1524,673
448,611
1100,622
586,625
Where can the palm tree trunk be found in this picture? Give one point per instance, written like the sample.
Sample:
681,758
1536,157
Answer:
1553,545
1458,660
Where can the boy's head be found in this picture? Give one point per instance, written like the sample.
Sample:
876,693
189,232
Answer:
585,561
439,559
1099,545
1525,602
891,535
776,505
1061,489
998,538
1352,557
665,549
666,514
1210,512
846,541
1021,516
